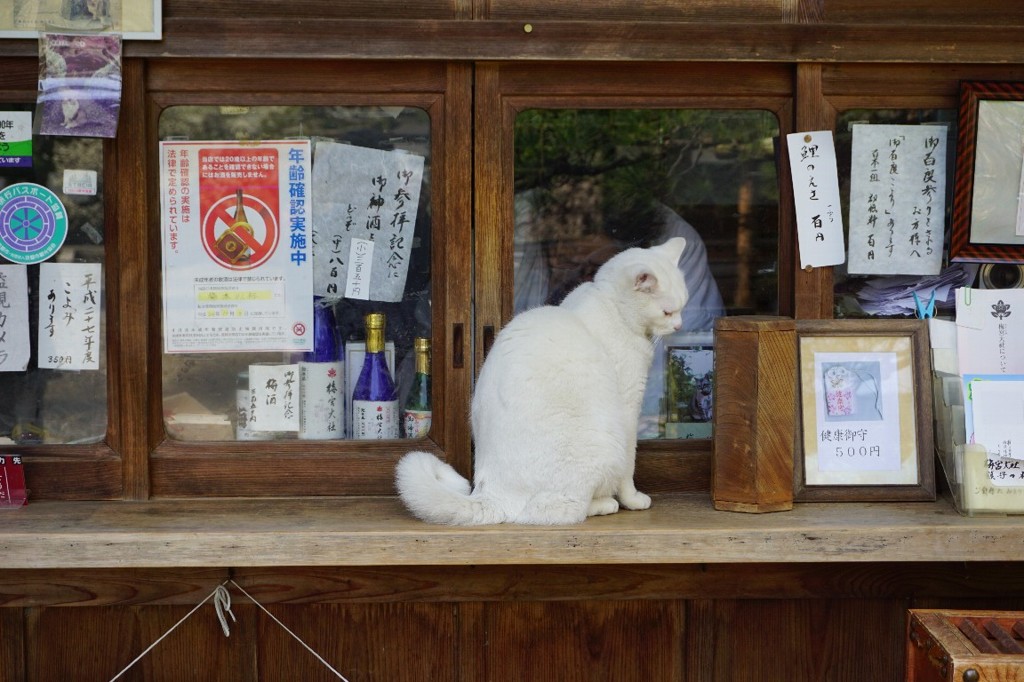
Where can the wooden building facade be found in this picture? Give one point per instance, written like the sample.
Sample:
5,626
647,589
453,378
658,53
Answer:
121,539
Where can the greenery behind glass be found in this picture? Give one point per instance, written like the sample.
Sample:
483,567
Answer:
591,182
717,169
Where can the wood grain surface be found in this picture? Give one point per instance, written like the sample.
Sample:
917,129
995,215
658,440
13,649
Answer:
378,531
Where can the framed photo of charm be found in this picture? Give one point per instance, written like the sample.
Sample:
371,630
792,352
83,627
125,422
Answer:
988,213
689,386
864,410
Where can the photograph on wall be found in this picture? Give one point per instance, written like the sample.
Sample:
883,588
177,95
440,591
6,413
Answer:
690,381
79,84
132,19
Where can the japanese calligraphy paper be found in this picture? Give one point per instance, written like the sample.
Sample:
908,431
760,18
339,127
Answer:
273,398
897,199
370,195
69,315
990,330
237,266
819,220
15,345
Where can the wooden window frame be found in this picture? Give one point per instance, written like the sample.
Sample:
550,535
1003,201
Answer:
472,108
505,89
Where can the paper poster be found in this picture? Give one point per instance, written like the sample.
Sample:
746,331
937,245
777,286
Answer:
237,263
15,345
273,398
15,139
858,414
990,330
70,334
33,223
819,220
370,195
79,84
999,418
897,199
994,413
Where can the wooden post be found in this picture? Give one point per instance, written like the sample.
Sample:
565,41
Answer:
755,413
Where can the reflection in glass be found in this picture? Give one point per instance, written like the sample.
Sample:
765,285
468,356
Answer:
45,405
202,390
849,289
590,183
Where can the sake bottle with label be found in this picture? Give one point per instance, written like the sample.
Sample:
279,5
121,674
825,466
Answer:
321,398
375,410
416,415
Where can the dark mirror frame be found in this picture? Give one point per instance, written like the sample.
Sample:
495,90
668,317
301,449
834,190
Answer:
962,247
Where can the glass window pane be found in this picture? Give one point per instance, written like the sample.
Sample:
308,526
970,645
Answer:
207,395
849,289
60,398
590,183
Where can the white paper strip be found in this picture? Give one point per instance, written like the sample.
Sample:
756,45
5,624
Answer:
819,220
70,335
15,344
897,199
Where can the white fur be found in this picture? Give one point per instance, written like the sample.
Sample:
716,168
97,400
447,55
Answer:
556,406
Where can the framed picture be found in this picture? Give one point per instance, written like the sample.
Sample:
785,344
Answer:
689,383
133,19
988,215
864,410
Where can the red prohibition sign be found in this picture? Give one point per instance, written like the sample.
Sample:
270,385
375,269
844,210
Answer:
240,244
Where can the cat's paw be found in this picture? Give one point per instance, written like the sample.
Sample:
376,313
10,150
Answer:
603,506
636,501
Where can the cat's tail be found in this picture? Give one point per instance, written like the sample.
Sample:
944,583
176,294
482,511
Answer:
434,492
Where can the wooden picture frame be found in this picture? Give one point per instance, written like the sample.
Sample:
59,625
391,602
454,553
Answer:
864,412
990,156
132,19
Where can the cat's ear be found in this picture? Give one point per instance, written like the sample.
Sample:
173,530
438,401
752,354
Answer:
673,248
645,281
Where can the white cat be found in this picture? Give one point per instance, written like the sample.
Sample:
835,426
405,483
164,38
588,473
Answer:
556,406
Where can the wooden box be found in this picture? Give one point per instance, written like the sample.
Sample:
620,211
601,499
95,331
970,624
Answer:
965,646
755,413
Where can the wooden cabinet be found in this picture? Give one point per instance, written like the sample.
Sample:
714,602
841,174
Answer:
677,593
613,58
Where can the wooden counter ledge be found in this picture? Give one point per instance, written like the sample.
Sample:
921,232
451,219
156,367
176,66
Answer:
678,529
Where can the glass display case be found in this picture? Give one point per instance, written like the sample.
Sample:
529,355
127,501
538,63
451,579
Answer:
369,186
864,295
53,333
592,182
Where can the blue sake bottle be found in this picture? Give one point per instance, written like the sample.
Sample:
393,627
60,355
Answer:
321,398
375,410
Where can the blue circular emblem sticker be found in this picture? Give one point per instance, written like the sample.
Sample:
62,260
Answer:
33,223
